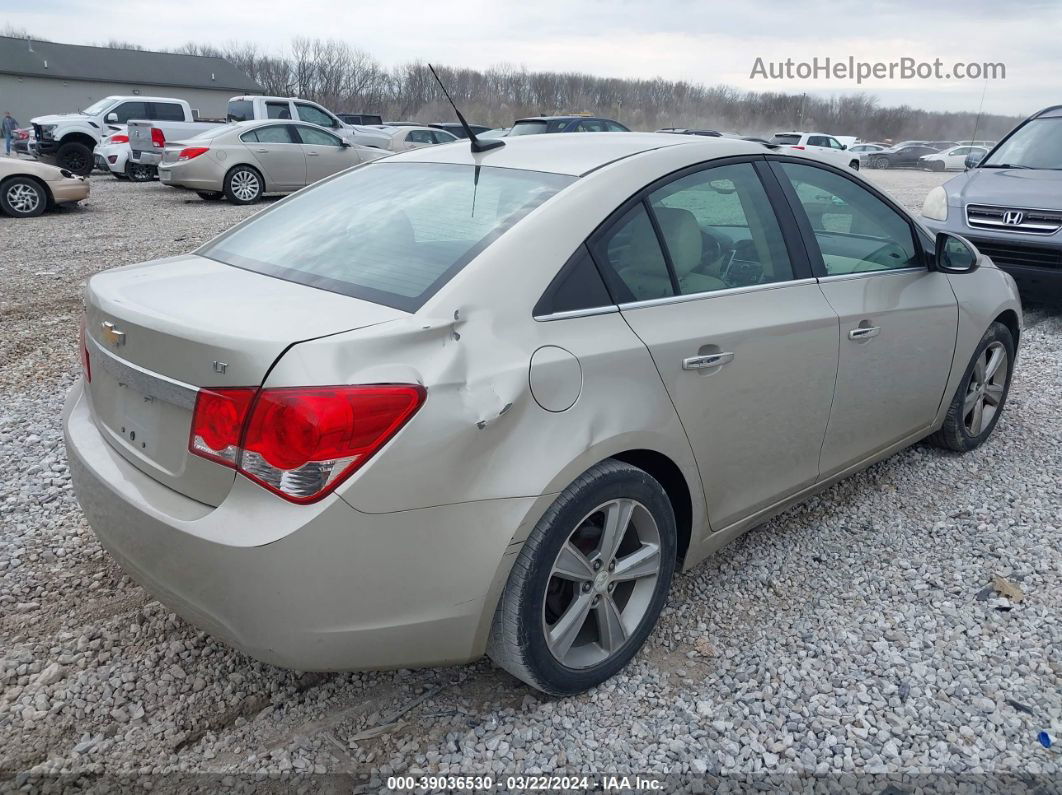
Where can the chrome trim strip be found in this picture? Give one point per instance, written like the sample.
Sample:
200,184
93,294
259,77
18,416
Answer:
573,313
1021,229
149,384
841,277
679,299
1011,207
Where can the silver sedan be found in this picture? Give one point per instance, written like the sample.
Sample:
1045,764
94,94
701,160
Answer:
242,162
456,402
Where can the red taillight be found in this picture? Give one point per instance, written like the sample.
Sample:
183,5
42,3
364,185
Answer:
796,147
192,151
300,442
158,138
82,343
118,138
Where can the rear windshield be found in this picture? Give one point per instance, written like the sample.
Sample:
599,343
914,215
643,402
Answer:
240,110
782,138
536,127
391,233
1037,144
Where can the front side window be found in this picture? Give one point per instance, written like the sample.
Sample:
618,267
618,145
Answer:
310,135
391,233
131,110
720,230
855,230
313,115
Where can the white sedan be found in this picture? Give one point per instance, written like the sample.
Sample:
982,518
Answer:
407,137
953,159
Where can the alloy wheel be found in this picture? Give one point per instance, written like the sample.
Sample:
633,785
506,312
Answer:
23,198
245,185
988,383
601,585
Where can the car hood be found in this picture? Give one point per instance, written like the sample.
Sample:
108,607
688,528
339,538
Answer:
1017,187
58,117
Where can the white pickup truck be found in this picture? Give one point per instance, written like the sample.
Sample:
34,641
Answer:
68,139
253,107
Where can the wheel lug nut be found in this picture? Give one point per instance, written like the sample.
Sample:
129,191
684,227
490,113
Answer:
597,600
612,566
586,587
597,565
611,587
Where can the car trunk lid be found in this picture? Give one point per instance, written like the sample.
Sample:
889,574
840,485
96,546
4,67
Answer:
156,333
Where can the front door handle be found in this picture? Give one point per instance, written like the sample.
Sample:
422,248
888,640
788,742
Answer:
312,154
262,151
707,361
864,333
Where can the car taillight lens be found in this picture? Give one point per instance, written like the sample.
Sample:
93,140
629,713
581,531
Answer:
192,151
300,442
796,147
82,343
118,139
158,138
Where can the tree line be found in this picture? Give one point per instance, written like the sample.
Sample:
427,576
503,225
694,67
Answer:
345,78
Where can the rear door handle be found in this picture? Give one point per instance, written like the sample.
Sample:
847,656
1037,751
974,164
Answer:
262,151
707,361
864,332
312,154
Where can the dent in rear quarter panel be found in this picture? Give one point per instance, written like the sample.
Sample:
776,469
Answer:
982,296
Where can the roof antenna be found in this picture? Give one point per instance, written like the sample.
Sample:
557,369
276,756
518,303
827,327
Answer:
477,145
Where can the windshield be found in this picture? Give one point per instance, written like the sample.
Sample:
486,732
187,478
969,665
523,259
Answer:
1037,144
96,108
391,233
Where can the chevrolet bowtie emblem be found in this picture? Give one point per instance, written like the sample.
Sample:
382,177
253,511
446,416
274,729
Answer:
111,334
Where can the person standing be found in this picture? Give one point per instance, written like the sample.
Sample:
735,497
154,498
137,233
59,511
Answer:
8,125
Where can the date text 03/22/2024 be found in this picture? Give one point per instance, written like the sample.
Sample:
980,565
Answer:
529,783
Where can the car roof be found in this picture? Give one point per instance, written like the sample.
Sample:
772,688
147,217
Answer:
575,154
1053,112
563,118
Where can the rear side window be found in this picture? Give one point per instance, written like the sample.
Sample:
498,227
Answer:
240,110
632,260
275,134
313,115
168,111
278,110
577,286
392,233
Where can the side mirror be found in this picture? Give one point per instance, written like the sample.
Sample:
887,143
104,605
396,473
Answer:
111,117
346,144
844,146
973,160
955,254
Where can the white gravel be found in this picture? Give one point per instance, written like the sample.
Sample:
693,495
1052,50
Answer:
856,633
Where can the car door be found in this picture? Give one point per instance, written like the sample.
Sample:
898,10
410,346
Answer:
742,337
325,153
956,158
898,319
278,154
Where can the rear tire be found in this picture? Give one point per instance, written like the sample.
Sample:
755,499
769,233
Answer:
137,172
879,162
244,185
589,583
979,399
854,165
75,157
23,197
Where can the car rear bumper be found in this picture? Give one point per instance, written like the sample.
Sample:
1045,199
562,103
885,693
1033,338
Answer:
339,590
178,175
145,158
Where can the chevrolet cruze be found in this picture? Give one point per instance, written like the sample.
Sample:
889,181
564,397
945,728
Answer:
456,402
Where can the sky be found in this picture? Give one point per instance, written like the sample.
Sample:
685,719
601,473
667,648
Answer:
703,41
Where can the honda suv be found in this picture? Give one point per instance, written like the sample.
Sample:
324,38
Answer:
1010,204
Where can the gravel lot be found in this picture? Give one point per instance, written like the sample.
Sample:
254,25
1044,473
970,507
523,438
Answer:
858,632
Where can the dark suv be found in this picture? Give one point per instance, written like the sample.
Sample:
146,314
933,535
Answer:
1010,204
564,124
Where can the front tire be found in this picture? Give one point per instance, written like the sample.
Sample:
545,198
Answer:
244,185
75,157
879,162
978,402
589,583
23,197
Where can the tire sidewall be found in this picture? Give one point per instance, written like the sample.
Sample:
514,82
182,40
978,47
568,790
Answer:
9,210
74,146
556,527
997,332
232,197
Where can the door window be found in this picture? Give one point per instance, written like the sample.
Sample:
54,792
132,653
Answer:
131,110
167,111
313,115
855,230
615,127
591,125
420,137
278,110
818,140
632,259
309,135
443,137
274,134
720,230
